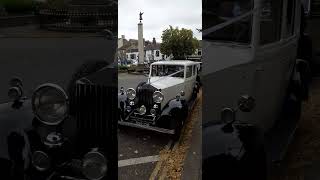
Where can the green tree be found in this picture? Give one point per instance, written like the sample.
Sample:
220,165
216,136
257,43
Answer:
178,42
18,6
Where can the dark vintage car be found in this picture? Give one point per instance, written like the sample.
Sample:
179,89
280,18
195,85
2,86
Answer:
60,134
161,104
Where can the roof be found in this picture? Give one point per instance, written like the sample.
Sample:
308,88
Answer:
176,62
152,46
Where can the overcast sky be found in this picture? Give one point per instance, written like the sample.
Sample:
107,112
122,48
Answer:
158,15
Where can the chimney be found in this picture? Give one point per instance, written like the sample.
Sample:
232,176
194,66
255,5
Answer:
154,41
122,37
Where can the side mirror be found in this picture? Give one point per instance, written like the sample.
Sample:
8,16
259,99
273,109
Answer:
246,103
15,91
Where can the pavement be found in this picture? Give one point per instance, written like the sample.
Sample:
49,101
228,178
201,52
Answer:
193,160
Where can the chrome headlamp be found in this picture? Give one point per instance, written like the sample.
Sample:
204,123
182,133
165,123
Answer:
41,161
228,115
131,93
50,104
94,166
157,97
143,110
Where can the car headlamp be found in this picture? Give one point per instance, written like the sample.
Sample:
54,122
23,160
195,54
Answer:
41,161
157,97
94,166
228,115
153,112
50,104
143,110
131,93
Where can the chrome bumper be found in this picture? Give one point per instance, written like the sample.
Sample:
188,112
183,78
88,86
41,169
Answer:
151,128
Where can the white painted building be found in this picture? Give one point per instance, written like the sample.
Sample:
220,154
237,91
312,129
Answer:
152,53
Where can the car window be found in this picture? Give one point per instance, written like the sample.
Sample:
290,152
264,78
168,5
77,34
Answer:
189,71
270,25
290,18
167,70
217,12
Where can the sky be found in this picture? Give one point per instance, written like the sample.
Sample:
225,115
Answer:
158,15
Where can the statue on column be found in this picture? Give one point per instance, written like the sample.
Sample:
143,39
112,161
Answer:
140,14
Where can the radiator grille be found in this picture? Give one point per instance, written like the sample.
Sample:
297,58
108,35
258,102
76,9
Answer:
144,95
96,114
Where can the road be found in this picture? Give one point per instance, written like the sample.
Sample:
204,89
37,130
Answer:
138,149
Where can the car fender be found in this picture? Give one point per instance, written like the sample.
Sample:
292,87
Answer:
175,108
299,83
14,141
173,111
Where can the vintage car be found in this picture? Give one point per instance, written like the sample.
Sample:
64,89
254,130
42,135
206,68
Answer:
161,104
253,85
58,134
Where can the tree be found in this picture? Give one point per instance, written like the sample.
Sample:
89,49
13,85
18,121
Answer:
18,6
178,42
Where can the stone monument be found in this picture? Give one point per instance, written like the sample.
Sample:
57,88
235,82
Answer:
140,41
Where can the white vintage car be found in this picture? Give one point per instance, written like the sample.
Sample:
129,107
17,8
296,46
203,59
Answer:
162,103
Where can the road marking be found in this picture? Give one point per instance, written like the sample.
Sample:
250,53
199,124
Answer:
156,170
140,160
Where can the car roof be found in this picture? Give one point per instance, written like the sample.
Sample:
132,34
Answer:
176,62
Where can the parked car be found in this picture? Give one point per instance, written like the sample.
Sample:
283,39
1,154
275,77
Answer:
162,103
253,85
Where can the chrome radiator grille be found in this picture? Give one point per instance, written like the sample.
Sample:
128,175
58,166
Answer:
96,114
144,95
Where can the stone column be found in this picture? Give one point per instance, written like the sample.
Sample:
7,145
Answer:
140,43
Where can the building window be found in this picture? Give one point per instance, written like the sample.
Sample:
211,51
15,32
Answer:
157,53
133,56
199,52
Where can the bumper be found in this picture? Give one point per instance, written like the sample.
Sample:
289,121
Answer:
151,128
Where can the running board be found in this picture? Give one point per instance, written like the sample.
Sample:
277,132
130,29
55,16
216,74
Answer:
151,128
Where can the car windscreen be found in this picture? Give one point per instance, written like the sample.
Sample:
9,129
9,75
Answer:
217,14
167,70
